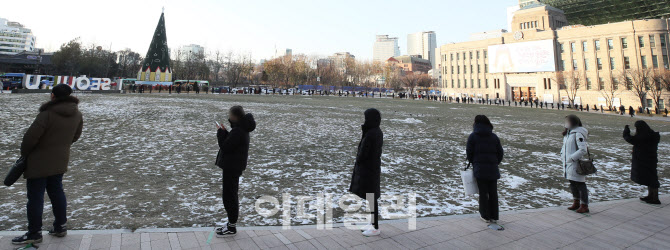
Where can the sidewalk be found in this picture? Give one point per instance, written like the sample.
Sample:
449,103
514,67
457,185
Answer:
611,225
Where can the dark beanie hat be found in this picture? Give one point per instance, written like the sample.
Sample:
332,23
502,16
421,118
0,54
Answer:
61,90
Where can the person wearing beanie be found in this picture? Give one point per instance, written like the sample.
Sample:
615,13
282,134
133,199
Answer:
46,148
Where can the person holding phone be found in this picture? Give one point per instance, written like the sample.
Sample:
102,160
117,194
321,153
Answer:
645,158
232,159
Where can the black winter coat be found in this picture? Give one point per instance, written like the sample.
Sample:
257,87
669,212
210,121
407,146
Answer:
485,152
367,169
234,146
645,157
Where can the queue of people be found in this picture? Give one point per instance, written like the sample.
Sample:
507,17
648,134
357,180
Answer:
46,146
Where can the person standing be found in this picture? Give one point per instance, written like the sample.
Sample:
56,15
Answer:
574,148
46,148
367,169
232,159
484,151
645,159
631,111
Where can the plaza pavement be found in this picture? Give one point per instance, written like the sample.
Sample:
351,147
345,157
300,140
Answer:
611,225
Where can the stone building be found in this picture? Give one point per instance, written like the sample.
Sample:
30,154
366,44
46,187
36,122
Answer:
532,61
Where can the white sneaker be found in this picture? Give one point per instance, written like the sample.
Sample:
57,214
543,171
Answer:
367,227
372,232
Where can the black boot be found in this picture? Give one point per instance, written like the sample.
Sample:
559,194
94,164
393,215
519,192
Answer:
653,197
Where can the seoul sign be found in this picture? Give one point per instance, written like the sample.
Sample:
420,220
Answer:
76,83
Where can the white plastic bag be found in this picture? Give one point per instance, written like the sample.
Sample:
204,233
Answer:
469,181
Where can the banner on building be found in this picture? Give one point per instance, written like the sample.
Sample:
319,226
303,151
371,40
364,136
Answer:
535,56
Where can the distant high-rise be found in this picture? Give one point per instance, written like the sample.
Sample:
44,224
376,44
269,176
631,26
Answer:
14,38
422,44
191,51
385,47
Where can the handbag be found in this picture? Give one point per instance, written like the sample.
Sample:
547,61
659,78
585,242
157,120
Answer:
586,167
469,181
15,171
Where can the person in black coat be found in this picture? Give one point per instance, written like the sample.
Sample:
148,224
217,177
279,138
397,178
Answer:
631,111
645,159
232,159
485,153
367,169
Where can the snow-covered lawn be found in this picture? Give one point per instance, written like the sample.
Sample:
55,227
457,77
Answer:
147,160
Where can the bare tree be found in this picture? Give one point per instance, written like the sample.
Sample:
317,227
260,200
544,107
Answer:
637,81
611,88
657,78
569,82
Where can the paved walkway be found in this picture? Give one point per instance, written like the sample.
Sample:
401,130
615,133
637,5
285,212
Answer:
611,225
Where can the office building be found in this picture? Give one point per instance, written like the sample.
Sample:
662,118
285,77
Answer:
414,64
190,51
384,48
14,38
541,55
423,44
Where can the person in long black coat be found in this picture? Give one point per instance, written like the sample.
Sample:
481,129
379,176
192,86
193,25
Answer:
367,169
485,152
645,158
232,159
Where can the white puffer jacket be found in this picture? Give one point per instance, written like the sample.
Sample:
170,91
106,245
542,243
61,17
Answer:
574,149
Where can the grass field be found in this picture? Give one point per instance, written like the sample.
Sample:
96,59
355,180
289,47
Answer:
147,160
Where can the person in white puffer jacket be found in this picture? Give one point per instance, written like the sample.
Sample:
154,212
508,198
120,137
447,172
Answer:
575,148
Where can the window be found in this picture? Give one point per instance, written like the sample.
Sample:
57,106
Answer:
573,47
624,43
626,62
665,61
561,47
654,61
629,84
458,69
652,41
545,83
661,105
465,69
585,47
452,83
615,84
485,54
470,54
586,64
597,45
640,39
601,83
662,40
486,82
458,56
452,69
610,44
574,65
472,83
459,83
477,54
644,61
478,70
599,61
452,57
562,66
588,83
464,56
471,69
549,83
486,68
612,63
479,83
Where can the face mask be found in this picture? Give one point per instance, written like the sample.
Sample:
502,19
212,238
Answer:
566,125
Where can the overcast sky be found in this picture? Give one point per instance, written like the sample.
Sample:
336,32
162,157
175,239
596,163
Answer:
312,27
